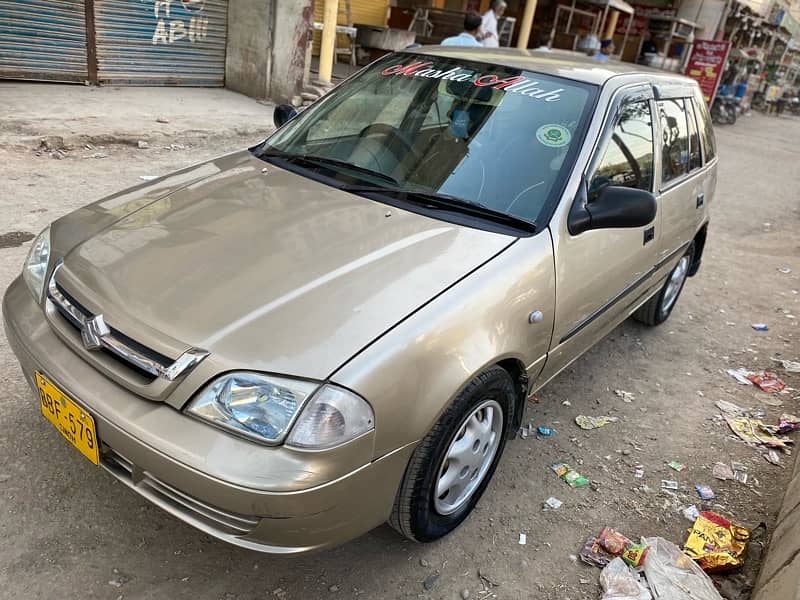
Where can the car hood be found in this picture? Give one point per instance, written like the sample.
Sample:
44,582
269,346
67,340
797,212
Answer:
266,269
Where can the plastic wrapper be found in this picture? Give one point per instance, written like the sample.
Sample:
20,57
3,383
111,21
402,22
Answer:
716,544
766,381
568,475
635,554
585,422
754,431
620,582
674,576
594,554
613,541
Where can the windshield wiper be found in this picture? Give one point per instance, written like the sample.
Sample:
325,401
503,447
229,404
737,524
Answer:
324,161
436,200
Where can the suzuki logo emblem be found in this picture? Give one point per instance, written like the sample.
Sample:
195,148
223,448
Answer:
94,329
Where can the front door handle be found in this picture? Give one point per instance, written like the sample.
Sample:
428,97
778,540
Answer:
701,198
649,235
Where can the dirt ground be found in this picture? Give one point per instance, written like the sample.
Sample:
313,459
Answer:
69,530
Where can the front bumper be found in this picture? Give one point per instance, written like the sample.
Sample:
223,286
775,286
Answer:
194,471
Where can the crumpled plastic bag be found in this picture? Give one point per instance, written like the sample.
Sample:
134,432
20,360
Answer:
620,582
674,576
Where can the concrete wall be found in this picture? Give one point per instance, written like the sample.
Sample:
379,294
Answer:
780,573
293,20
247,60
267,47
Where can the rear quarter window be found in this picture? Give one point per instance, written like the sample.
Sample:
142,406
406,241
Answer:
704,124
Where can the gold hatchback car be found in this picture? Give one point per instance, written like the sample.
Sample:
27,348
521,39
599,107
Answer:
289,345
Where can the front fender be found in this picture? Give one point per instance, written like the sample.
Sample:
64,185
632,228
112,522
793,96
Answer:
413,371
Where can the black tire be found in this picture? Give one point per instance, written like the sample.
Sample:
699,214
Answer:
414,514
653,312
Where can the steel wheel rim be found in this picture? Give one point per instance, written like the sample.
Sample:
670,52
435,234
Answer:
674,284
469,457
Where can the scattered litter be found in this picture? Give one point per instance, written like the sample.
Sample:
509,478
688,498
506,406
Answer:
639,471
716,544
731,408
760,326
635,554
594,554
705,492
545,431
766,381
142,144
523,539
722,471
773,457
740,375
676,466
620,582
790,366
753,431
784,270
613,541
786,424
691,513
667,484
585,422
523,432
148,177
553,503
626,396
674,576
569,476
566,403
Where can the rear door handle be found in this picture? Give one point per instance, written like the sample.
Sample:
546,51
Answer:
701,198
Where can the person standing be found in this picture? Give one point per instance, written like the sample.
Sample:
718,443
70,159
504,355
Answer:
489,36
468,37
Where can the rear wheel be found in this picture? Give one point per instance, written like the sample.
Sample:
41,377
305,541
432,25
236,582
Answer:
658,309
453,464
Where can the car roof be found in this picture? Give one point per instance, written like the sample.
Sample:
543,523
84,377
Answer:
559,63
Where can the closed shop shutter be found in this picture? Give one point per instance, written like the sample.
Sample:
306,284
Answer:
43,40
168,42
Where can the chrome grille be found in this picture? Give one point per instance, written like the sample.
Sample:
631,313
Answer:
97,335
209,518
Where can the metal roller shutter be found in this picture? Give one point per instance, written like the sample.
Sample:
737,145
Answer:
168,42
43,40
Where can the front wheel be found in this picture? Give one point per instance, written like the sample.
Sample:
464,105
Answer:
658,309
452,466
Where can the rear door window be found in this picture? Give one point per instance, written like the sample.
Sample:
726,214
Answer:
706,130
695,153
674,139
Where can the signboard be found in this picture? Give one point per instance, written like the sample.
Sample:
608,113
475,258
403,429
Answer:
705,65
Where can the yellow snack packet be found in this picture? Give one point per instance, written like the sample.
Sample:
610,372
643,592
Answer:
715,543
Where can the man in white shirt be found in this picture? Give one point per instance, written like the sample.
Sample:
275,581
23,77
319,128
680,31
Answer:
489,35
468,37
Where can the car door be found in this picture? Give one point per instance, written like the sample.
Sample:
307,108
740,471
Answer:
603,274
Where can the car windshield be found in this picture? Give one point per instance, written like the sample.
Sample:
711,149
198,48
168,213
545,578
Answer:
494,136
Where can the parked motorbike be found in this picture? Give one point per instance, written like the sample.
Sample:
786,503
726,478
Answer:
724,109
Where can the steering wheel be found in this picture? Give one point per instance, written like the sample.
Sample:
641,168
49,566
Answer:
394,133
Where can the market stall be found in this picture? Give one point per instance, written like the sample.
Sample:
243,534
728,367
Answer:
582,18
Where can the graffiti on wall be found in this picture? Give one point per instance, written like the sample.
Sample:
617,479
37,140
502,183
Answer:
179,20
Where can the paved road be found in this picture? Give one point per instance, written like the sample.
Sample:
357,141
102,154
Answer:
70,531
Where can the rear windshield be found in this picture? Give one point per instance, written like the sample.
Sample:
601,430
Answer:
498,136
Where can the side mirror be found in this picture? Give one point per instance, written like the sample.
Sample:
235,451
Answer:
614,207
283,114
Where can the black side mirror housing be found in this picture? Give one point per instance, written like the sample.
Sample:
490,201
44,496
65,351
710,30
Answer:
613,207
282,114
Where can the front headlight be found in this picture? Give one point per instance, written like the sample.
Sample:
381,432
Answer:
264,407
257,406
35,267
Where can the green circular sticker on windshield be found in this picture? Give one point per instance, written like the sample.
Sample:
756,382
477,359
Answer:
554,136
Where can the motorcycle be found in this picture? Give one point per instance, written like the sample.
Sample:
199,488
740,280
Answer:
724,109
